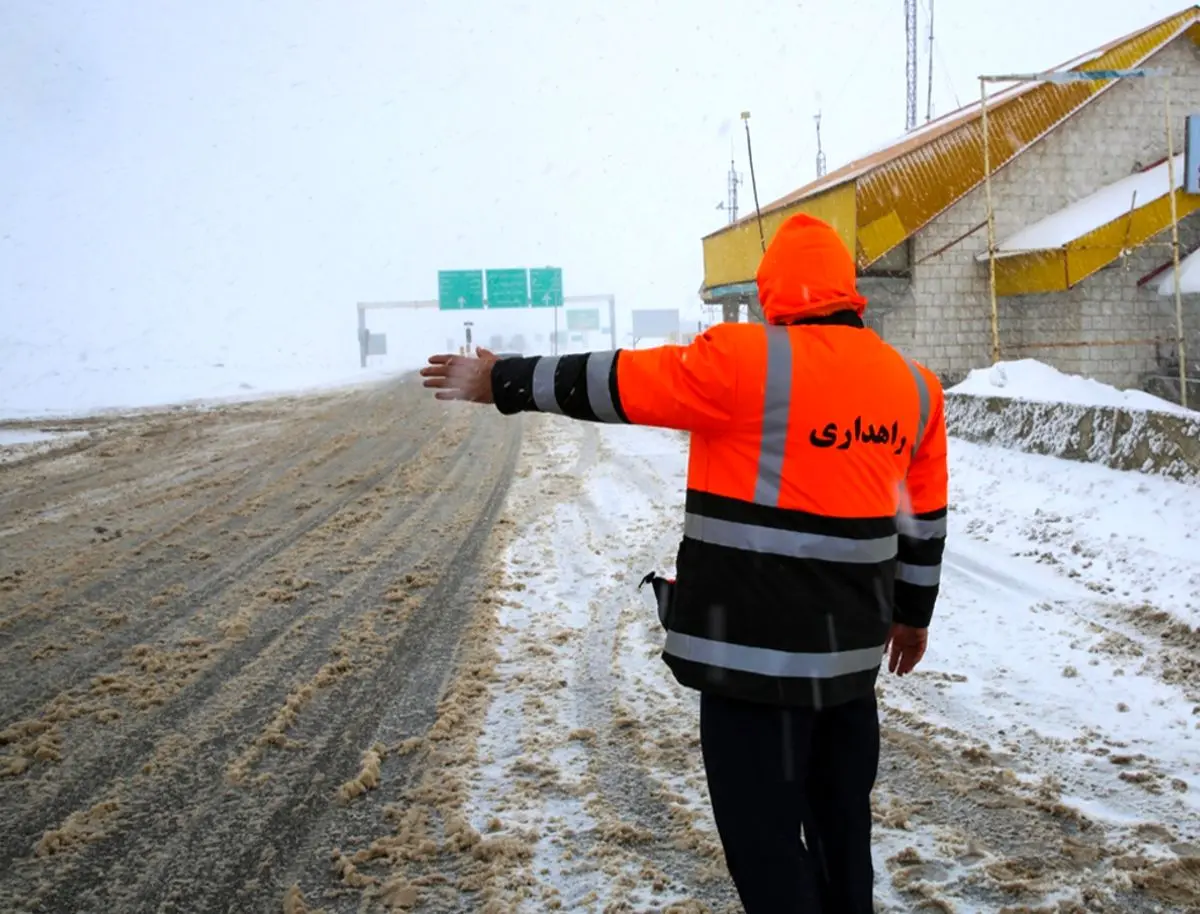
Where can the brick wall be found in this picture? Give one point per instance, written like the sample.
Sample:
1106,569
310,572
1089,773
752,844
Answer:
943,317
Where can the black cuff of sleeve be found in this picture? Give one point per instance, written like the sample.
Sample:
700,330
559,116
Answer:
512,385
912,616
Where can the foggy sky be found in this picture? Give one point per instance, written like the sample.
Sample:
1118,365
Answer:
212,171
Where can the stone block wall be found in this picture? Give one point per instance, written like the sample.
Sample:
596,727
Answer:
1162,444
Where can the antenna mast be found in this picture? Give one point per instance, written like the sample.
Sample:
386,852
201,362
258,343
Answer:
762,238
910,35
929,64
733,180
820,151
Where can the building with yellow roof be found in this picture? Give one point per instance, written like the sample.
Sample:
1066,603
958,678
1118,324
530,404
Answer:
1082,213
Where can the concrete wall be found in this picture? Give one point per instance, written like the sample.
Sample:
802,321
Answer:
943,318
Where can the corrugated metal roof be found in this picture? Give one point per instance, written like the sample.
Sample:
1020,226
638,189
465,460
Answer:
923,156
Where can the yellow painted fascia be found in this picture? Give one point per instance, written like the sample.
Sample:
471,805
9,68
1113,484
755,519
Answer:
879,237
732,255
1060,269
1030,274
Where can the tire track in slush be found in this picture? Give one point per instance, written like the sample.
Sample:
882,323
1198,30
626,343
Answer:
627,786
181,848
116,451
173,435
34,687
423,665
76,576
232,436
1001,841
163,569
138,744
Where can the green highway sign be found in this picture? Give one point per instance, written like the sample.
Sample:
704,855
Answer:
508,288
460,290
583,320
546,287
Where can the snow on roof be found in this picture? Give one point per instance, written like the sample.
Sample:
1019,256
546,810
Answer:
1189,277
1105,205
1029,379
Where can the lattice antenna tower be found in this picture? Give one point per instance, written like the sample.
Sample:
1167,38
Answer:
910,62
929,65
820,151
732,182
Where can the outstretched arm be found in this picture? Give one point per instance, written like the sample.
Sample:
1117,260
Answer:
681,387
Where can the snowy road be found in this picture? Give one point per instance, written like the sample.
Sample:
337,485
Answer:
218,630
299,711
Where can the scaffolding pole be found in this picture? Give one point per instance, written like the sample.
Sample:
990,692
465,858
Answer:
991,220
1183,385
1061,77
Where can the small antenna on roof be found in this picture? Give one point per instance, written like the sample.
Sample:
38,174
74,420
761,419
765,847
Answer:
929,65
762,238
733,181
820,151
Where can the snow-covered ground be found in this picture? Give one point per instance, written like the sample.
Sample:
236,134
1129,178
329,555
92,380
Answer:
1054,714
84,391
1029,379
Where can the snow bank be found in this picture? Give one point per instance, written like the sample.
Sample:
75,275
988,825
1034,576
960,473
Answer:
1028,406
1029,379
1149,442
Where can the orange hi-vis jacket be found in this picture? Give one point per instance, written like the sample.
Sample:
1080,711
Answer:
816,497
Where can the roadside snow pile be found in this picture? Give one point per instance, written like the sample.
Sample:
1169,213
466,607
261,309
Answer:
1029,379
1028,406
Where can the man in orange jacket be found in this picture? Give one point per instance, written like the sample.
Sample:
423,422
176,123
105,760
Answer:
814,526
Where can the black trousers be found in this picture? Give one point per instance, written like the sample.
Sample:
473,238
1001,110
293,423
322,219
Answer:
776,772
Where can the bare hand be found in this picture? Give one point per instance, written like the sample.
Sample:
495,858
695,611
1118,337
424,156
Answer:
907,646
461,377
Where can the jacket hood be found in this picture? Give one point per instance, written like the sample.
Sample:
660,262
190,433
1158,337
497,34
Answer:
807,272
